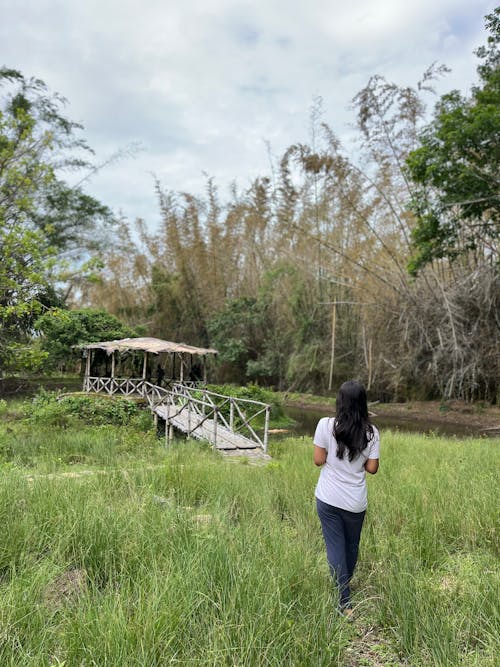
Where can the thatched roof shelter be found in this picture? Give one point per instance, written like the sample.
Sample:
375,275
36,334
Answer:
153,345
184,353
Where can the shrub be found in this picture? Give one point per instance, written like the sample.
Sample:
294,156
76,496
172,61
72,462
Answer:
61,410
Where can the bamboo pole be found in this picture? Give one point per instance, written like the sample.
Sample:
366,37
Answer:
334,323
370,364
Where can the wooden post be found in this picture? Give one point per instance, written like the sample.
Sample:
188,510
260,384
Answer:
112,365
182,369
145,365
334,322
215,427
266,429
86,381
231,413
204,362
168,432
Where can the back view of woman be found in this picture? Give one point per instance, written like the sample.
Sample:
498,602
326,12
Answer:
345,447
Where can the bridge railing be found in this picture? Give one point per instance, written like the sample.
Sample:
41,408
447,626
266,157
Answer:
198,414
245,416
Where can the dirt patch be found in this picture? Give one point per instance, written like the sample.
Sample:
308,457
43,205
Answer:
371,648
66,588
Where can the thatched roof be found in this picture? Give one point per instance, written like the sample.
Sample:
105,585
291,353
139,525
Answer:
154,345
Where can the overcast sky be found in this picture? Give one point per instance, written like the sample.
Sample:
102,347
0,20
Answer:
202,85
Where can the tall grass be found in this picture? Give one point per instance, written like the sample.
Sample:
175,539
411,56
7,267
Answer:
183,557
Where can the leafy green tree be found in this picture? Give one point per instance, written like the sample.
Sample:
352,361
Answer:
237,332
456,168
62,329
48,230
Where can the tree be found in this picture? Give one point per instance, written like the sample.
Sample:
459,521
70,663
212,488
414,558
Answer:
48,230
62,329
237,332
457,165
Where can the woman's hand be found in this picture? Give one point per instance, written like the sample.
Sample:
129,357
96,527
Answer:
371,466
320,455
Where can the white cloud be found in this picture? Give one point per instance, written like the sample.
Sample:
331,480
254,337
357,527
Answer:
202,83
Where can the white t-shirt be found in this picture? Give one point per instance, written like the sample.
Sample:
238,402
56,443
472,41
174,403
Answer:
342,483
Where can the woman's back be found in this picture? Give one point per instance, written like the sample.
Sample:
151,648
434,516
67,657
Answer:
342,483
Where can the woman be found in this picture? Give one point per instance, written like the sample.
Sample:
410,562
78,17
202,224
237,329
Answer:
345,448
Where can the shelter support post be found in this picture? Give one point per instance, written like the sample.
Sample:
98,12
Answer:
87,371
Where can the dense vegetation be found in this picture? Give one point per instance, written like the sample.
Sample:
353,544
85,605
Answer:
50,233
403,239
116,551
393,251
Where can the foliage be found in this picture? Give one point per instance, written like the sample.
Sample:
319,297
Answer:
456,168
46,226
25,264
449,345
237,333
63,329
52,409
256,276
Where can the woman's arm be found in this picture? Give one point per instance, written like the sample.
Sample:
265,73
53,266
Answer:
371,466
320,455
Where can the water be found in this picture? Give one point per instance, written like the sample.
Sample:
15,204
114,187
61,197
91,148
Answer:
307,418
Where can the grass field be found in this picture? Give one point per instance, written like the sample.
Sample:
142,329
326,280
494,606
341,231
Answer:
117,552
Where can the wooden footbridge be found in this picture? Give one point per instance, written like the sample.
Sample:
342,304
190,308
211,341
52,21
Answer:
232,425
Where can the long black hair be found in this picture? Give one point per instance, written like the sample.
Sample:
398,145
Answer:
351,428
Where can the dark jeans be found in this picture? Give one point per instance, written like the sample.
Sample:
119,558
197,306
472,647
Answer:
342,531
